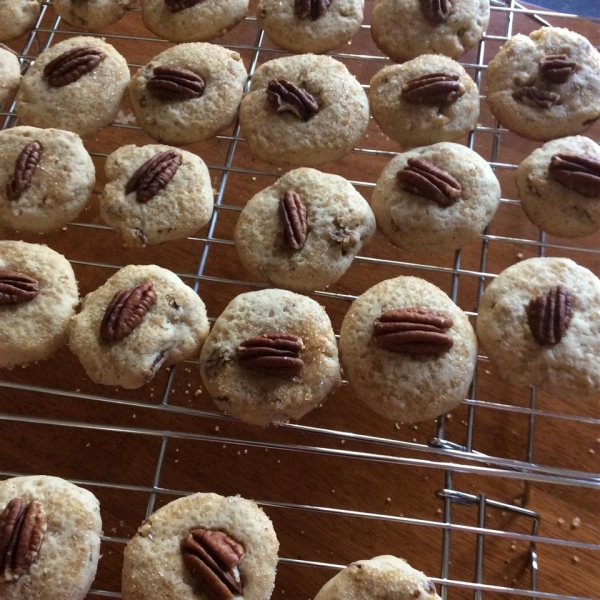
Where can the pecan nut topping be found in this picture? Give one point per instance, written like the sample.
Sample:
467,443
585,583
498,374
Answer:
549,315
436,11
272,353
433,88
153,176
211,557
557,68
72,65
179,5
536,97
286,96
175,84
578,172
22,530
126,311
293,214
311,8
423,178
25,167
345,238
415,331
17,287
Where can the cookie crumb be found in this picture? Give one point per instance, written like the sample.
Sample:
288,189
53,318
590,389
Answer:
575,523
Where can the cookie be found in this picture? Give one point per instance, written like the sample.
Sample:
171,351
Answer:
209,86
17,17
538,322
435,199
408,351
545,85
91,15
300,26
271,356
142,318
169,557
38,296
426,100
383,577
559,186
405,29
303,232
155,194
303,110
10,73
192,20
76,85
46,178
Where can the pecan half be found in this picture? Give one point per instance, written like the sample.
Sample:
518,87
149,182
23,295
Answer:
272,353
153,176
437,11
179,5
126,311
578,172
211,556
286,96
311,8
413,331
25,167
536,97
423,178
17,287
557,68
72,65
175,84
22,530
293,214
433,88
549,315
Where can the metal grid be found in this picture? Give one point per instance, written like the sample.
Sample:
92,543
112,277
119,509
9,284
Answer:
439,452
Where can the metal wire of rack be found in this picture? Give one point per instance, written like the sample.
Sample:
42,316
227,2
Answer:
437,452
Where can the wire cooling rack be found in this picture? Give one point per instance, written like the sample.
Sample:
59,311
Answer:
499,498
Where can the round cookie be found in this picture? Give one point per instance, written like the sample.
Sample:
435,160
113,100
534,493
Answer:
83,106
156,560
17,17
10,73
408,106
408,380
116,348
148,212
58,188
68,519
405,29
237,366
335,221
192,20
383,577
90,15
545,86
38,296
511,331
279,120
553,197
417,220
172,119
291,26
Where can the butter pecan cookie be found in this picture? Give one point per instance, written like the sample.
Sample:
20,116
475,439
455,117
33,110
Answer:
170,556
46,178
408,351
545,85
56,527
17,17
303,110
310,25
383,577
538,322
426,100
270,357
142,318
303,232
188,93
435,199
90,15
76,85
405,29
156,194
10,73
38,296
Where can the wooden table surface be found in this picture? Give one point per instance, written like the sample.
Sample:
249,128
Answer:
333,495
